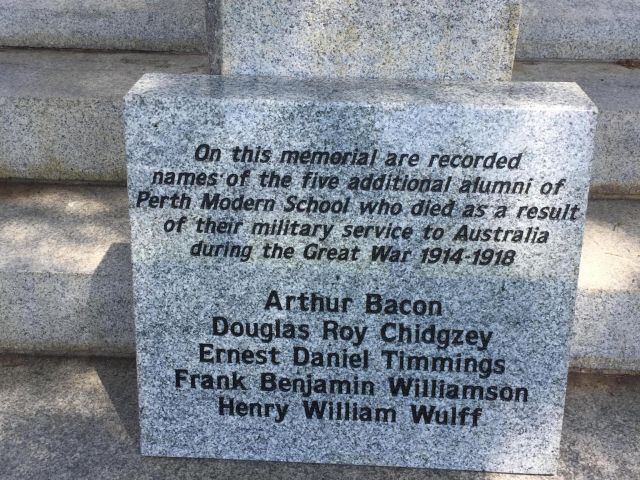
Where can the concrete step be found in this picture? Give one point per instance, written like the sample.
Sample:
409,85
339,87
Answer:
579,30
65,276
70,418
615,89
63,121
62,111
155,25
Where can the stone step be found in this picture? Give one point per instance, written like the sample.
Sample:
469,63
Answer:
64,123
62,111
615,89
579,30
567,29
65,276
70,418
158,25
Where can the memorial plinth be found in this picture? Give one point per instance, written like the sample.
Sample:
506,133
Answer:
433,40
376,273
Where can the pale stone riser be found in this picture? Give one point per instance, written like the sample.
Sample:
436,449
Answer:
579,30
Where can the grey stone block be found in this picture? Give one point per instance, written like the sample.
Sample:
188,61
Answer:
615,89
579,30
67,419
156,25
62,111
416,39
526,302
63,291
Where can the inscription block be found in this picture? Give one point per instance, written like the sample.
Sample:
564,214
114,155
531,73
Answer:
435,40
356,272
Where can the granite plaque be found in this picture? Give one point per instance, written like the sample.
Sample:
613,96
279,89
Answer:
357,272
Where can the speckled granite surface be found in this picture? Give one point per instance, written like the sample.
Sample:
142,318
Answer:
62,110
152,25
615,89
579,30
416,39
502,328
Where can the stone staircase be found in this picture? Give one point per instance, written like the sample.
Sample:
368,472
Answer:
65,273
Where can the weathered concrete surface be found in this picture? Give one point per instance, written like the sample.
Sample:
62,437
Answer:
157,25
65,276
61,112
77,418
615,89
579,29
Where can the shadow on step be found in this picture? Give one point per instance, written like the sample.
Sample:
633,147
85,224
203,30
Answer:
118,377
109,304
